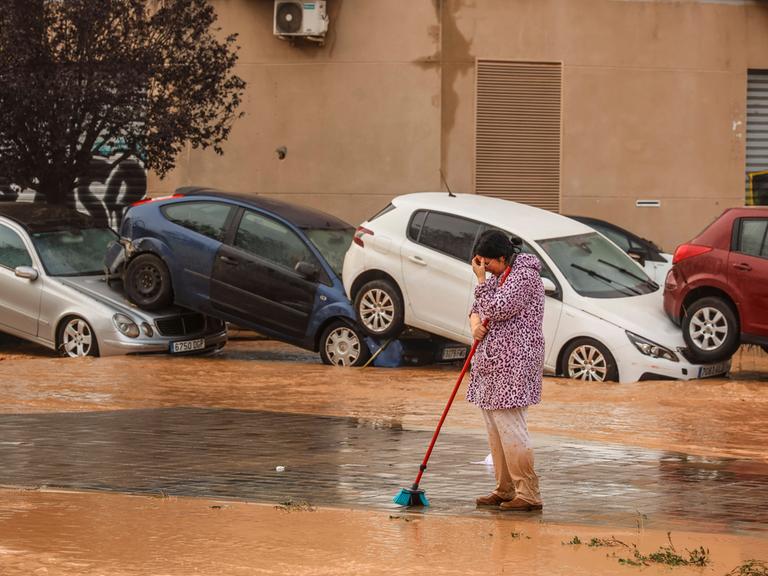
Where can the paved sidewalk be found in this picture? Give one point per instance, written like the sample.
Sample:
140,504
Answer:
350,463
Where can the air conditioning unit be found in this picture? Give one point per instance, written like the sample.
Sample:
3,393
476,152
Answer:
300,19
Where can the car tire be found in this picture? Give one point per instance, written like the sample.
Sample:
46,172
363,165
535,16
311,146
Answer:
76,339
147,282
589,360
379,309
711,330
343,345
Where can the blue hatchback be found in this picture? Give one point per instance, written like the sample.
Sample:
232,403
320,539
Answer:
256,262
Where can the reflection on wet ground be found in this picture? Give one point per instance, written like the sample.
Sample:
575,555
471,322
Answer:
352,463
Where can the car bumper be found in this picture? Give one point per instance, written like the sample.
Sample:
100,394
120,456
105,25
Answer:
635,366
117,344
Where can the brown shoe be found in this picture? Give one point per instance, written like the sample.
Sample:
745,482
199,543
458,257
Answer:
492,499
518,505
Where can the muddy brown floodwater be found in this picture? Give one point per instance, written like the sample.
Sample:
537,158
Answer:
708,437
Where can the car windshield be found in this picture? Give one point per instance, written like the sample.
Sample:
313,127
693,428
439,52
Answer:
333,244
596,268
73,252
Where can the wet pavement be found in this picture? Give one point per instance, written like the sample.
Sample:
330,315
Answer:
682,455
349,462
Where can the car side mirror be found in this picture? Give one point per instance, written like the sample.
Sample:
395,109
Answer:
549,286
307,270
26,272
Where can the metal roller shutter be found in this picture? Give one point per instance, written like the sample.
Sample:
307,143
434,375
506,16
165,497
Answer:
517,132
757,137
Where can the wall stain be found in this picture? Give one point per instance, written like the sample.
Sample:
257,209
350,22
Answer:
462,62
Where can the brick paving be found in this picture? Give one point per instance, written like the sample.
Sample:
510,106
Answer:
351,463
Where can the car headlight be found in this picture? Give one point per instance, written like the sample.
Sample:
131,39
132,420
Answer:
652,349
126,325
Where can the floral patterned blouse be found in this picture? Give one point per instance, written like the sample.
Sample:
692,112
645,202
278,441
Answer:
507,367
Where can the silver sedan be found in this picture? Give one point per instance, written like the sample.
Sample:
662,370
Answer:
53,291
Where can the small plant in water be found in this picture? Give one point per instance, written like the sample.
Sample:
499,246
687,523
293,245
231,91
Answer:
572,542
750,568
610,542
291,506
668,555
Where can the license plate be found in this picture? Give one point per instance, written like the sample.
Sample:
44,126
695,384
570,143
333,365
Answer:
714,369
187,345
454,353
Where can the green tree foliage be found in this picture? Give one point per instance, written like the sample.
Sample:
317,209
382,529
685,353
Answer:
141,76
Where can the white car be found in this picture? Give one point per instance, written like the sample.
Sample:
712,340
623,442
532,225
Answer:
409,266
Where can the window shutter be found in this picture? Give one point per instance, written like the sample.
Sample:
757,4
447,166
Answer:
517,132
757,137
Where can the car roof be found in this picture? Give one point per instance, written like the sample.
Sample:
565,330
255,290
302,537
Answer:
529,221
301,216
40,217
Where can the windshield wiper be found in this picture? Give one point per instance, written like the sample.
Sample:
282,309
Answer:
647,281
609,281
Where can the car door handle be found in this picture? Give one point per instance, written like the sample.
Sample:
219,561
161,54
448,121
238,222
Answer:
417,260
743,266
228,260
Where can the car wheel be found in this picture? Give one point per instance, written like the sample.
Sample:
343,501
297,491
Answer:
343,345
588,359
148,282
711,329
76,338
379,309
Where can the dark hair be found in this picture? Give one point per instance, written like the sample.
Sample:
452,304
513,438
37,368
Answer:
495,244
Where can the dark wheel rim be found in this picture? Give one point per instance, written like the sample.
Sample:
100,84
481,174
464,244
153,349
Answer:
342,346
148,281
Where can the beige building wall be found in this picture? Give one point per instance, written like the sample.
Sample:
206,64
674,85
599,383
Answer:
653,106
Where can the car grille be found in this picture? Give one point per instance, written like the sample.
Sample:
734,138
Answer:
180,325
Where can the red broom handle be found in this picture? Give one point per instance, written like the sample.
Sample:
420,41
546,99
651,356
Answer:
453,395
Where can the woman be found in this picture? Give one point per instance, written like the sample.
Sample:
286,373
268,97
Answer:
505,377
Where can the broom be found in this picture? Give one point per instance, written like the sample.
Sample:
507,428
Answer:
413,496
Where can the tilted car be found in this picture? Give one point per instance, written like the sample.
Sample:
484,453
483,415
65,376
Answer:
717,289
603,317
262,264
654,261
53,291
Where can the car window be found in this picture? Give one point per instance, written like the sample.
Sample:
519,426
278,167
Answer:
752,238
417,221
332,244
616,237
448,234
271,240
13,253
73,252
207,218
596,268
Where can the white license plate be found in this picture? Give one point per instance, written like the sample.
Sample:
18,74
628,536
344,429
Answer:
454,353
714,369
187,345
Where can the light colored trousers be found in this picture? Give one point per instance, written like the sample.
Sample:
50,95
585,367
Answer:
512,454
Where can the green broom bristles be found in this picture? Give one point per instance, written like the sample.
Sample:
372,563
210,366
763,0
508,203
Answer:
408,497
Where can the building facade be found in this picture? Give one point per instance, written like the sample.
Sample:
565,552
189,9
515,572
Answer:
652,114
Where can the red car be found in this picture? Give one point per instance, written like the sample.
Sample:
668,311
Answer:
717,289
